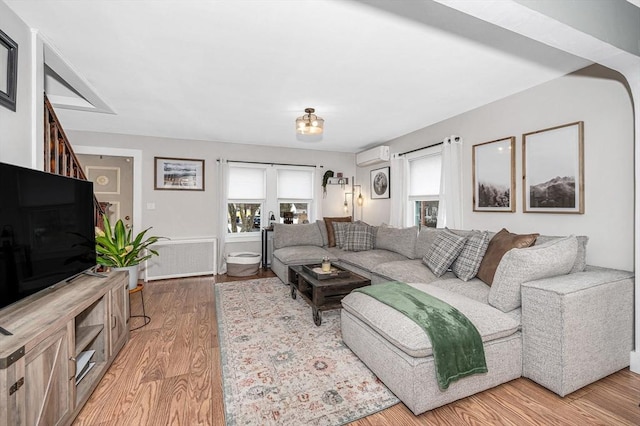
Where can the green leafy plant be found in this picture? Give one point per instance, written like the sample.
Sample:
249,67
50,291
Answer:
118,249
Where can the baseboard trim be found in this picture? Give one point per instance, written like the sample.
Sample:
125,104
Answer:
635,362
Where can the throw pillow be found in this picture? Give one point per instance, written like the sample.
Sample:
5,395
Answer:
467,263
323,232
340,233
359,237
398,240
501,243
330,232
581,258
445,249
527,264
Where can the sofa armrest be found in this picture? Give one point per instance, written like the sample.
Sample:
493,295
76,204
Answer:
577,328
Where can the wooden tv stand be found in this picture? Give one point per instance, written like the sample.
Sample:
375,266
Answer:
50,330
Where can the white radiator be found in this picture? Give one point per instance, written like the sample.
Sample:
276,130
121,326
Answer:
182,258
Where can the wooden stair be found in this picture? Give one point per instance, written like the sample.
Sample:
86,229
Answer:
59,157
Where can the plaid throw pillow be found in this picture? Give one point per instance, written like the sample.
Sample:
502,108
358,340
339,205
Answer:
359,237
340,232
468,262
444,251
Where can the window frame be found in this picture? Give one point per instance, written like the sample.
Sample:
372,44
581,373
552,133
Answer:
412,199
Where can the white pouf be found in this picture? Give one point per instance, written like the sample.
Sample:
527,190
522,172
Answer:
243,263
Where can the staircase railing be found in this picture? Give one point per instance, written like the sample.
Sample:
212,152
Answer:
59,157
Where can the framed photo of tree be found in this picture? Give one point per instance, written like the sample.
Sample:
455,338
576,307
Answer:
553,169
380,183
494,180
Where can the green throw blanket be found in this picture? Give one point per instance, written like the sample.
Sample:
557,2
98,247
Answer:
457,345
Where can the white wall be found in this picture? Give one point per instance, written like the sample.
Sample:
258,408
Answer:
18,129
593,95
193,214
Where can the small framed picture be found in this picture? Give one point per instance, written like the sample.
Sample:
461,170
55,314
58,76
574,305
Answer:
183,174
494,179
553,169
380,183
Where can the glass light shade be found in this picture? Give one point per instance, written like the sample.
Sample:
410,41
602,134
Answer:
309,124
360,200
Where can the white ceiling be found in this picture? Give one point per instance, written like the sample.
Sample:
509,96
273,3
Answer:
241,70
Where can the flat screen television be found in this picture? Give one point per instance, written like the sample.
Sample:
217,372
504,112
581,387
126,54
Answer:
47,233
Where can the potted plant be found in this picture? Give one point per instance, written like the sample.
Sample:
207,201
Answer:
118,249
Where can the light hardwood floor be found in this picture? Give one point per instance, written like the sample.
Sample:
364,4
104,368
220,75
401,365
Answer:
169,374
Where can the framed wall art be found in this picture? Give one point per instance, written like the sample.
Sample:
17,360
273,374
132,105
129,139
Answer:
8,71
183,174
494,180
553,169
380,183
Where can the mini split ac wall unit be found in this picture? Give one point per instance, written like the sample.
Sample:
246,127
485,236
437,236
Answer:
372,156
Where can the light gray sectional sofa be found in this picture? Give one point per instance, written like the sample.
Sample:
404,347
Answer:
547,315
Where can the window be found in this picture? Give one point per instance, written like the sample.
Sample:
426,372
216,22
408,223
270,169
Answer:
246,197
424,187
256,190
295,194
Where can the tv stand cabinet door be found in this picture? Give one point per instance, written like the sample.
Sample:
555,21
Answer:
119,315
49,381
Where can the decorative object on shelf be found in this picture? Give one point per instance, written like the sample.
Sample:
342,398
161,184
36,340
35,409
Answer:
494,178
380,183
272,219
310,123
118,250
8,75
184,174
325,179
553,169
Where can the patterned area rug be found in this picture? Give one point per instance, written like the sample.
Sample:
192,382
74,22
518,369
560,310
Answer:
278,368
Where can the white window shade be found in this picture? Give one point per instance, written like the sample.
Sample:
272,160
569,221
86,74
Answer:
246,183
295,184
424,175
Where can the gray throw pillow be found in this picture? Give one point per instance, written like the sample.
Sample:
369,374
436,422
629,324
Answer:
445,249
468,261
581,258
359,237
521,265
398,240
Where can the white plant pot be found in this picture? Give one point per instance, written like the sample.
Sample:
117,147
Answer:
133,274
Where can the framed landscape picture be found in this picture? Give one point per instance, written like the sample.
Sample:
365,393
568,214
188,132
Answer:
553,169
494,180
380,183
179,174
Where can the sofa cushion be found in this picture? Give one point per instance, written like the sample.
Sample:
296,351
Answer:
518,266
329,221
407,336
359,237
296,235
581,259
323,232
299,255
408,271
445,249
474,288
398,240
501,243
369,259
425,240
468,261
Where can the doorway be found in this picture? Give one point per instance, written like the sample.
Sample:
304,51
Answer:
112,178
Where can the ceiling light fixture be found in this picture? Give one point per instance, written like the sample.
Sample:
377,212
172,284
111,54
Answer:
309,124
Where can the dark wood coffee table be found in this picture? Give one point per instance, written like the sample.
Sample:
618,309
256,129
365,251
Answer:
323,294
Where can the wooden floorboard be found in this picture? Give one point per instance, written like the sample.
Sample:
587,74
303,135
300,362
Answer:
169,374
